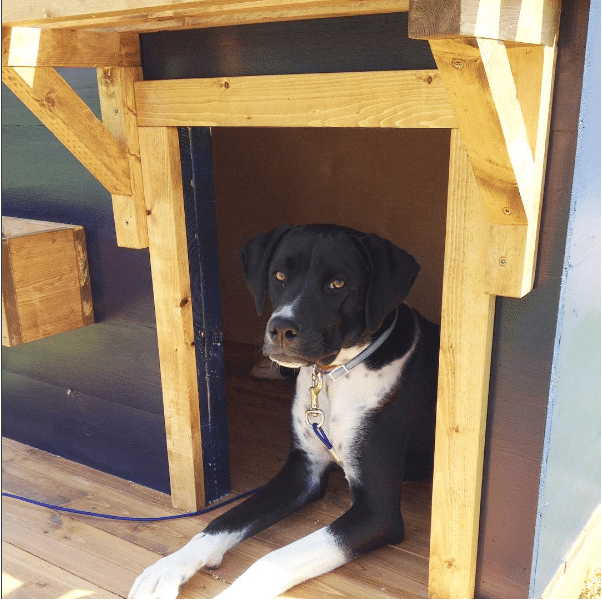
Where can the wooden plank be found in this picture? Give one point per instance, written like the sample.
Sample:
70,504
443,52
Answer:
49,273
524,105
374,99
160,152
56,105
160,15
526,21
118,106
461,67
77,547
31,47
11,322
387,573
25,576
504,120
466,335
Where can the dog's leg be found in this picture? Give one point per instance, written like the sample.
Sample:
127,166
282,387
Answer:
367,525
279,570
373,520
298,482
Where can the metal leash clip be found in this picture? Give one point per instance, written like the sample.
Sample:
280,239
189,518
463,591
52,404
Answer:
315,415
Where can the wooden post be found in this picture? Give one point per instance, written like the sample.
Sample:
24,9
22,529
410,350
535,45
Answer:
118,105
466,334
160,153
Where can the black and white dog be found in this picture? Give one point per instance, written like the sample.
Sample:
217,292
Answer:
365,400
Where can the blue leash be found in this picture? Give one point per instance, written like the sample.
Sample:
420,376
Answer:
322,436
124,518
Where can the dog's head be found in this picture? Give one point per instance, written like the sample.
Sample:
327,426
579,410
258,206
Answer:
330,287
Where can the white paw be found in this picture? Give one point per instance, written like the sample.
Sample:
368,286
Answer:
162,580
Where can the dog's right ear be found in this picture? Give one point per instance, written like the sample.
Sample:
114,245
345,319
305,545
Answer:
256,255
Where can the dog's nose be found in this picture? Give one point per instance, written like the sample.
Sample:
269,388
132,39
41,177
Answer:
282,331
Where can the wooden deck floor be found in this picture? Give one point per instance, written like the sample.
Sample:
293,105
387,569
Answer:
51,554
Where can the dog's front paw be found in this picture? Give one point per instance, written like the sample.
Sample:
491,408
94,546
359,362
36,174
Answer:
162,580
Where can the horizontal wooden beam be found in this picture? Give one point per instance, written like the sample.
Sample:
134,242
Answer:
141,15
32,47
50,98
525,21
377,99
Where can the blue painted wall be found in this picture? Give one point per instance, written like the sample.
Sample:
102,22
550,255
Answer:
570,473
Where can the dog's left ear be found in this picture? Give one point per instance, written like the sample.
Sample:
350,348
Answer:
392,275
256,255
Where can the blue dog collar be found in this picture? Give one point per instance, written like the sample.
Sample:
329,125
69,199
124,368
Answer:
337,372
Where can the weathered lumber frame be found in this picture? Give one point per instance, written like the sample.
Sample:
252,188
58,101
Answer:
492,88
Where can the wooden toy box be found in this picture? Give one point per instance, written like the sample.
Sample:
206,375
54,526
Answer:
45,280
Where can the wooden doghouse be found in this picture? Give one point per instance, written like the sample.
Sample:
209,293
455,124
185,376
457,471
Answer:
491,91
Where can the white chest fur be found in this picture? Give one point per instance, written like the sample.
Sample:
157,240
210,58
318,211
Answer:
346,403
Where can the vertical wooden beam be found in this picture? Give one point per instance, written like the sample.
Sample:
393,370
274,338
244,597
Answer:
162,175
466,334
118,106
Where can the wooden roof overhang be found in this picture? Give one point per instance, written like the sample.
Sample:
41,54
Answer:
492,88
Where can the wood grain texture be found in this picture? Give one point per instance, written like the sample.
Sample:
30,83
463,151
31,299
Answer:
160,152
392,572
378,99
36,577
56,105
47,276
466,335
31,47
11,323
521,81
152,15
525,21
118,106
507,144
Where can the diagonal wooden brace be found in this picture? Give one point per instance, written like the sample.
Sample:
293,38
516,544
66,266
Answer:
109,150
50,98
501,96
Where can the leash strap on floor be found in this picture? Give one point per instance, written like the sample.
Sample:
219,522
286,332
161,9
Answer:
129,519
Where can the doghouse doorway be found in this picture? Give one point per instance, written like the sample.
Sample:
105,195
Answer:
266,176
242,181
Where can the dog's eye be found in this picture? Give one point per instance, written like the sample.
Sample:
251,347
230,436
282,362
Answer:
280,275
336,284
